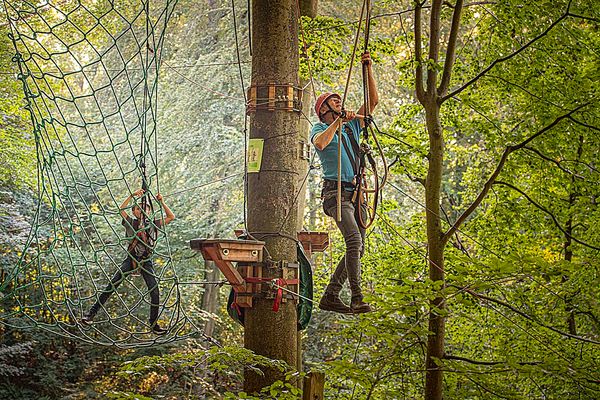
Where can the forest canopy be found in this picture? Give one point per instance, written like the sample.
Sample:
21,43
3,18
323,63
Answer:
482,265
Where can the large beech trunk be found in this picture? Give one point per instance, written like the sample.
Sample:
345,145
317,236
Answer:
271,192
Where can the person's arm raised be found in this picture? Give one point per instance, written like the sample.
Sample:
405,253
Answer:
323,139
169,214
123,206
373,93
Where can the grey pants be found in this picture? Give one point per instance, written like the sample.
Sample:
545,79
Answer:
354,237
147,272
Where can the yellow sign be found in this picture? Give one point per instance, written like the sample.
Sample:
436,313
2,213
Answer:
255,150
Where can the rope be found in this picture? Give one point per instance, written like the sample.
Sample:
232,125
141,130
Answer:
205,184
305,48
90,92
362,10
243,88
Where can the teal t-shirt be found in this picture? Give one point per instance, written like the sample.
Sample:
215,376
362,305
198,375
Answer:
328,155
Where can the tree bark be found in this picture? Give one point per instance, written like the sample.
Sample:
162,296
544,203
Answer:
436,244
308,8
431,99
272,210
572,323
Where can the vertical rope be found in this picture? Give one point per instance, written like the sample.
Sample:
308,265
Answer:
243,87
362,11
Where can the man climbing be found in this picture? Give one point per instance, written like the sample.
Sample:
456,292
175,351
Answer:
328,108
142,234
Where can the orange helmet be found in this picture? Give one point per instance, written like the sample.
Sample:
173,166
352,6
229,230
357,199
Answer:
322,99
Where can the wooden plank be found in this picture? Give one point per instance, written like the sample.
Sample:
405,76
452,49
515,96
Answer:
271,106
314,386
229,249
319,241
290,96
228,270
196,244
243,254
291,273
245,299
251,106
258,273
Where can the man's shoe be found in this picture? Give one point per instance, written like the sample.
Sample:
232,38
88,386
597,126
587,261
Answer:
358,306
330,302
159,330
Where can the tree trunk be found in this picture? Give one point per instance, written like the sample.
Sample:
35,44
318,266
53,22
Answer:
210,296
436,244
571,322
272,210
431,99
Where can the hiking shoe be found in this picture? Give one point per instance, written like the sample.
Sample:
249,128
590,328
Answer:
159,330
358,306
87,319
330,302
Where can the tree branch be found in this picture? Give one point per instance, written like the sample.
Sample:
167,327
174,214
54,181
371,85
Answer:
557,163
434,47
476,362
451,49
540,98
592,316
418,54
488,185
592,127
526,316
542,208
486,389
505,58
583,17
409,10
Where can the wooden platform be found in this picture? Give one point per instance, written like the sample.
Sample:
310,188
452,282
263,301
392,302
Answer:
313,241
224,252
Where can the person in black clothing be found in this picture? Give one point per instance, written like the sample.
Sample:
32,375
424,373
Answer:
143,234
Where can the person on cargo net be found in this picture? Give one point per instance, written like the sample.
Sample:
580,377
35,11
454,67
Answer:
328,108
141,232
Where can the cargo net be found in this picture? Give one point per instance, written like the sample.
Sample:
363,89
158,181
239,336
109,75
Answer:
89,72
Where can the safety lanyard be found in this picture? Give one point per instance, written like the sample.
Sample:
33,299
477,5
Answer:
354,155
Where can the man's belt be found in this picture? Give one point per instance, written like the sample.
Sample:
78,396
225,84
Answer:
328,184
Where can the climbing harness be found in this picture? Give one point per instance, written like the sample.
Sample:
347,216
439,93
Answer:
363,193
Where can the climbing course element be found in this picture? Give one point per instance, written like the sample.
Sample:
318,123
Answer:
273,97
90,72
251,276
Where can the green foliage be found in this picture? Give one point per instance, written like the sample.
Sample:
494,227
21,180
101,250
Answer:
517,344
326,48
8,355
17,145
198,374
522,315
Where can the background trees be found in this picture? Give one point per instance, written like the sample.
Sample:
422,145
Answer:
521,273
